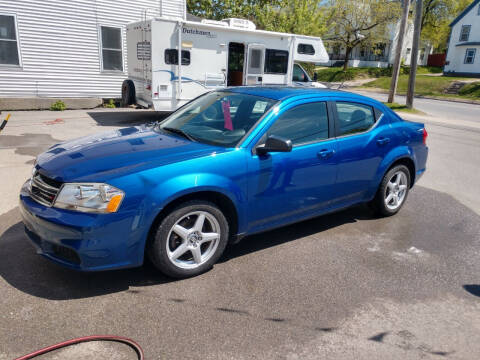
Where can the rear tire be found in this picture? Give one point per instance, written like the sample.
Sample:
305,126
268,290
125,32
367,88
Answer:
189,240
392,192
128,93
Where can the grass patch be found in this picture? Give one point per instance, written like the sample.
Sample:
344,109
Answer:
403,108
335,74
427,86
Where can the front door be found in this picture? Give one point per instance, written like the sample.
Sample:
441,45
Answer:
255,62
285,187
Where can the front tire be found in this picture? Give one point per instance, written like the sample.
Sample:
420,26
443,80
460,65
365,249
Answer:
393,191
189,240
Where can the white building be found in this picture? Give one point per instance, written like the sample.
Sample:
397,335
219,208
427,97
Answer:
75,48
463,54
381,54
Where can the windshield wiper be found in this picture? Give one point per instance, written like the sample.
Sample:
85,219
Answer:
179,132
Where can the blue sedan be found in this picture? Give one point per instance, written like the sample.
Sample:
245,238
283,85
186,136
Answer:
228,164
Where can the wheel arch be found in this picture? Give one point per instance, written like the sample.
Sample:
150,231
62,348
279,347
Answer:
222,201
409,163
399,156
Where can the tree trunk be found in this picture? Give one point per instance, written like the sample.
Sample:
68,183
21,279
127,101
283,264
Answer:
348,50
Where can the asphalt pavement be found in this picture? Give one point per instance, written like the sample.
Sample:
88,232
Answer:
342,286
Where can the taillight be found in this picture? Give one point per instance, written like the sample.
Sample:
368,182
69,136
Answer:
425,135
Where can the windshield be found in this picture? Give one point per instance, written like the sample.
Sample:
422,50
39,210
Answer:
218,118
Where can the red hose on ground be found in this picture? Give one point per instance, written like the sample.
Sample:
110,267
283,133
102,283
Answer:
79,340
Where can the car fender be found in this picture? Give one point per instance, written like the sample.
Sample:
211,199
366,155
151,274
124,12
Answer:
395,154
173,188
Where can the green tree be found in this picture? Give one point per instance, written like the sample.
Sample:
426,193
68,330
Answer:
360,22
436,17
307,17
218,10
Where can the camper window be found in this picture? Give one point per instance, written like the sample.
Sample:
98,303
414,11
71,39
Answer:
276,61
112,57
8,41
171,57
306,49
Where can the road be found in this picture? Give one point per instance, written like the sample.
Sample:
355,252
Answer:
341,286
446,110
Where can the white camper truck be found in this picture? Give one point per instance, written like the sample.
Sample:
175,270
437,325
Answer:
214,54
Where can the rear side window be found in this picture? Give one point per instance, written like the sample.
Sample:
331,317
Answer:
171,57
306,49
302,124
276,61
353,118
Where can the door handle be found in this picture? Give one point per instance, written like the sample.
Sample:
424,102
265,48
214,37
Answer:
325,153
383,141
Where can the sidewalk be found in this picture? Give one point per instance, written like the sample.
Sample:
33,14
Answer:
427,119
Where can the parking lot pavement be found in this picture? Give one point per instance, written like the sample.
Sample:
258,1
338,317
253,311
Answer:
343,286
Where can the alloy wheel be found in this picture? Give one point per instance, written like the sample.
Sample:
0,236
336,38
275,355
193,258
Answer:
193,240
396,190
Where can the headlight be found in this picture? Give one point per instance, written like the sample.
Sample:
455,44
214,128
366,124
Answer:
93,197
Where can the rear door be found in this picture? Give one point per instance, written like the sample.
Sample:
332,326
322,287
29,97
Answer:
364,137
255,64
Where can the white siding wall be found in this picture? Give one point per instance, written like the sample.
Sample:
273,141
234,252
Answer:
457,49
172,8
59,45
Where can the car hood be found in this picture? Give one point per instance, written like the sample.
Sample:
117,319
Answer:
116,153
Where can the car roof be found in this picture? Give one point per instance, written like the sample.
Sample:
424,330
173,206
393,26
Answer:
285,92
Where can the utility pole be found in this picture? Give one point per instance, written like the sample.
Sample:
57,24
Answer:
398,51
413,61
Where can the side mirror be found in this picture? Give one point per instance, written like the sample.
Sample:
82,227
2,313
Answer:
315,76
274,144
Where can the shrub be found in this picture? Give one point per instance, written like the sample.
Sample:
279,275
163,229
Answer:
110,104
332,74
58,106
471,90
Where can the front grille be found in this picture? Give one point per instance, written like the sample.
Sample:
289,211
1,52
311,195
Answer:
43,189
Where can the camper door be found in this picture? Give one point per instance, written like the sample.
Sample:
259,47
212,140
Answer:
255,64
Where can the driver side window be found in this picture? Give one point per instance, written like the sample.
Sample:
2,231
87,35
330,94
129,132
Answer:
302,124
298,74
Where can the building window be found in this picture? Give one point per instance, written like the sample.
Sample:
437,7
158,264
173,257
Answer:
112,55
276,61
9,54
306,49
408,51
465,32
470,56
171,57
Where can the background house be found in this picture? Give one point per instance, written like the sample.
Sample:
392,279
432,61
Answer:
381,54
76,48
463,54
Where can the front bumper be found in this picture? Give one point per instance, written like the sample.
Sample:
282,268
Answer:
80,241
